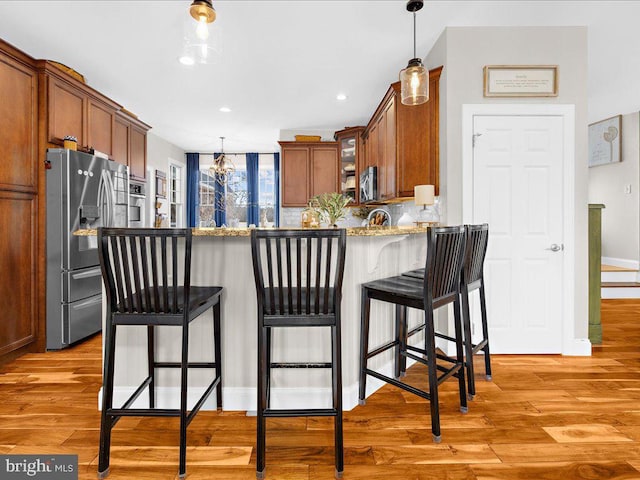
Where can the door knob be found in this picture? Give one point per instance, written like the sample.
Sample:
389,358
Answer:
554,247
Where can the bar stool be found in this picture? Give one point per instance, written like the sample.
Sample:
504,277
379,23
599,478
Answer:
472,278
298,275
147,278
440,286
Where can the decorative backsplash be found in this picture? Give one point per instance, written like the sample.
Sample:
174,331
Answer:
290,216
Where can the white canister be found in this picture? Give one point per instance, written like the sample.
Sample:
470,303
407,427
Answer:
405,220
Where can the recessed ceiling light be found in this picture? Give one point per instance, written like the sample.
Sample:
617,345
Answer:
225,109
341,96
186,60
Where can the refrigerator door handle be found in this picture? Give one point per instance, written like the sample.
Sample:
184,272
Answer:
94,272
87,303
109,197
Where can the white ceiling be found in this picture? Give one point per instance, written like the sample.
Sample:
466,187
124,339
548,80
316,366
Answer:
280,64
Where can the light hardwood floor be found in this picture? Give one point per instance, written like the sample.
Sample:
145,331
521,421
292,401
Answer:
542,417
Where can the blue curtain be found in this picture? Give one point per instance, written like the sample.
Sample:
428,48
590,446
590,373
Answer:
193,193
253,212
276,179
221,213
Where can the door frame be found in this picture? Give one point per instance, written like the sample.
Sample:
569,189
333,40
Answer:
571,345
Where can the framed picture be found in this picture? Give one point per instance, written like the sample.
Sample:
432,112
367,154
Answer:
521,81
604,141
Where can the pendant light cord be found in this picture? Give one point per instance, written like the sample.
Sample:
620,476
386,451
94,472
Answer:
414,34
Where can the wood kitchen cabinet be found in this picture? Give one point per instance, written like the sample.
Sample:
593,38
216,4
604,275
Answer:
402,141
20,315
350,156
77,110
130,144
308,169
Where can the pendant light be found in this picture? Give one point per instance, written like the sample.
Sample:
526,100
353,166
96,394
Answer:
222,167
414,80
202,11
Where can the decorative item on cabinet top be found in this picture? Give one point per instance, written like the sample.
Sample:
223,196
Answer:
308,138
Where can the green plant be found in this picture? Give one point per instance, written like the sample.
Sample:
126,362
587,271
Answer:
332,206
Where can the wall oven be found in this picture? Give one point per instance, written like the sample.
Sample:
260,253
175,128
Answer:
137,205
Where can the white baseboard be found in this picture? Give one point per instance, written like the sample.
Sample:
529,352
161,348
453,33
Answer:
579,347
621,262
245,398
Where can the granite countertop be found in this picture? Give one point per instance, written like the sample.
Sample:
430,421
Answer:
245,232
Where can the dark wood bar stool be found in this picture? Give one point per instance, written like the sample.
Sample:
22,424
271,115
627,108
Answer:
298,275
147,278
440,286
472,278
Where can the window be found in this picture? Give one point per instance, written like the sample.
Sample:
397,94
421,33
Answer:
175,195
231,206
267,189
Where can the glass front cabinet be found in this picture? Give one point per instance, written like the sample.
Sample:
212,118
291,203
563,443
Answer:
349,151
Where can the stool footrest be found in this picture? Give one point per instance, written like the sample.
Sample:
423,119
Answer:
189,365
301,365
480,346
447,371
398,384
301,412
382,348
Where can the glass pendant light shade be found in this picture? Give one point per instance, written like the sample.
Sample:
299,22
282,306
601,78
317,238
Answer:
414,83
414,80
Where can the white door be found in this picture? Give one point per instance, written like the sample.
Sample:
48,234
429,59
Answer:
518,191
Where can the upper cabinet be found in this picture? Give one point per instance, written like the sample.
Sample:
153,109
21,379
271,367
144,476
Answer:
350,153
308,169
98,123
130,144
18,124
402,141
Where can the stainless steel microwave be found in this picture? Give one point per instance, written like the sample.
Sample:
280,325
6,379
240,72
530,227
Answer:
369,185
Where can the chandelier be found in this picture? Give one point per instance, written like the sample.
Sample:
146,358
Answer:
222,167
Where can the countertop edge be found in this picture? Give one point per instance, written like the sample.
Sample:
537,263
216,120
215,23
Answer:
245,232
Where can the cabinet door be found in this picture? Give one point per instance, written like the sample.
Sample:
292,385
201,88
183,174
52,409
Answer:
324,170
295,176
18,293
418,142
100,119
389,149
121,130
137,153
18,124
66,112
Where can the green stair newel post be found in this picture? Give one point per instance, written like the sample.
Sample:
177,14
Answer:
595,264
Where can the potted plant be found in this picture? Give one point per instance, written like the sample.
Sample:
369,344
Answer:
332,206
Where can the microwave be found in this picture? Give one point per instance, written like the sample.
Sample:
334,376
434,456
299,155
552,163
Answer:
369,185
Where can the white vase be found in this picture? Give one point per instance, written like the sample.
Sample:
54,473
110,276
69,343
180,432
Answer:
405,220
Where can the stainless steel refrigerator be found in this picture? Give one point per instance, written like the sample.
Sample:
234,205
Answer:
83,191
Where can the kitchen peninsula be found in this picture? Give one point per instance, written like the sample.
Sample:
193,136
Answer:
222,256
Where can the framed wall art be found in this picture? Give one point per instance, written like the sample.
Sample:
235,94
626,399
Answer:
604,141
521,81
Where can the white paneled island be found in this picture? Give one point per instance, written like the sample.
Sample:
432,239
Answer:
222,257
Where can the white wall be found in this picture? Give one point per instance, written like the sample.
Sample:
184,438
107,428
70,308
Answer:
160,154
464,51
620,218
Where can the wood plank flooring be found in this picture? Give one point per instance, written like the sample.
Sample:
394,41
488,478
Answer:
543,417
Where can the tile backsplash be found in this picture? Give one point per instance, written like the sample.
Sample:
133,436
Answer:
290,216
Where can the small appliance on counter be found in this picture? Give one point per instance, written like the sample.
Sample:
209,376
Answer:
369,185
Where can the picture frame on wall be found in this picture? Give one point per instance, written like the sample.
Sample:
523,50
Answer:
521,81
604,141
